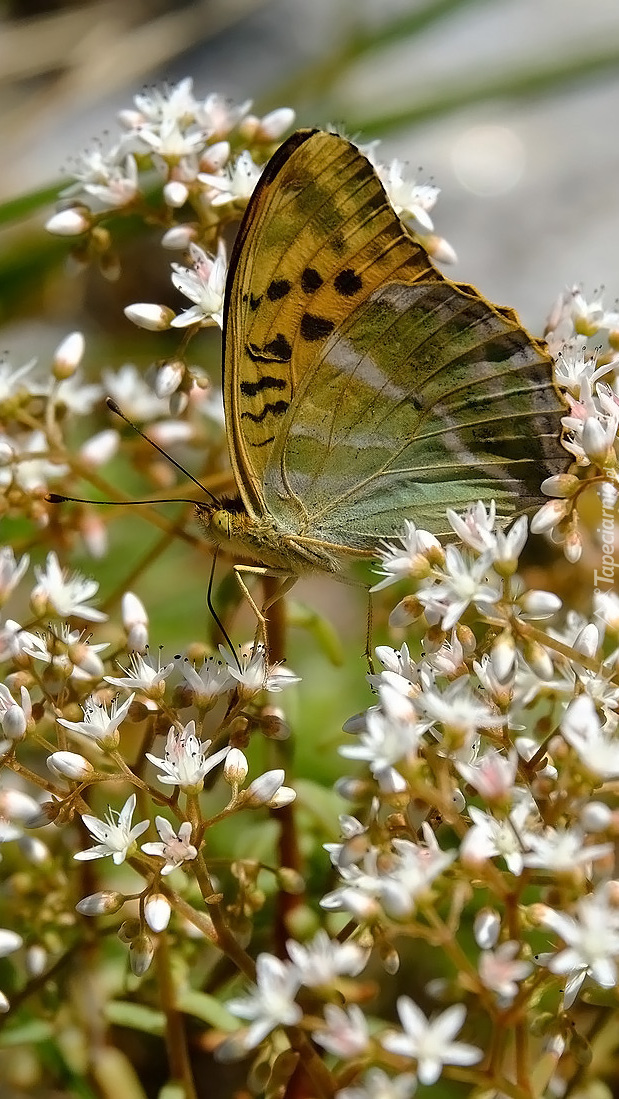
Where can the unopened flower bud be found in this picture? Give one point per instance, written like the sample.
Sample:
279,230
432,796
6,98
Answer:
562,485
36,960
486,927
539,660
274,124
175,193
68,356
572,546
440,249
179,237
157,912
168,378
235,768
9,941
284,796
539,604
141,952
15,805
14,723
70,765
503,656
149,315
407,611
69,223
33,849
215,157
135,622
549,515
596,816
596,441
263,788
105,903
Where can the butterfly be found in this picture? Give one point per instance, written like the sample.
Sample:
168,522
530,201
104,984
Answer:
361,386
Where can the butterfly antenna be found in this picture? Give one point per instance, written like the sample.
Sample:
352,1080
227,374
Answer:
216,618
111,404
56,498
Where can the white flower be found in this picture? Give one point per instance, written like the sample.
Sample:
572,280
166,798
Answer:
501,969
99,724
24,462
377,1085
561,850
186,759
476,526
76,395
60,592
236,183
596,746
115,833
204,284
13,384
323,960
491,836
346,1032
253,674
206,685
592,943
14,717
462,582
493,775
133,395
430,1042
410,871
271,1002
392,734
174,847
143,676
409,558
65,649
409,199
458,708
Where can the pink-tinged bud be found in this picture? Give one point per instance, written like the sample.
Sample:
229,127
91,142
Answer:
168,378
68,356
36,960
562,485
9,941
179,238
440,249
69,223
95,536
274,124
100,448
175,193
14,805
149,315
572,546
215,157
157,912
70,765
407,611
486,927
549,515
597,440
178,403
105,903
263,788
141,952
540,604
235,768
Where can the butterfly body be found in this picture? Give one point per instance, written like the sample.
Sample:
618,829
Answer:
361,387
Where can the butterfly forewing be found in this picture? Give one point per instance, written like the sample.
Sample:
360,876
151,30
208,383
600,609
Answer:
362,387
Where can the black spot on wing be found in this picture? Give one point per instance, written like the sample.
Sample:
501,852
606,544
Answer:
276,351
348,282
277,408
249,389
278,288
311,281
315,328
264,442
254,301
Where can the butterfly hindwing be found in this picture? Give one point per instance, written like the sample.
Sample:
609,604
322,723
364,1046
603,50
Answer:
362,387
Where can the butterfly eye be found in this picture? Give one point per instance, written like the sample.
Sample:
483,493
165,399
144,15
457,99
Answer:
220,522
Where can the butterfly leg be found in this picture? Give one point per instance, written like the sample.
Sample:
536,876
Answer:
287,582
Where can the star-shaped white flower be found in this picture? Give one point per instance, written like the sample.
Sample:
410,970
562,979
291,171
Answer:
115,833
271,1002
64,593
186,759
175,847
430,1042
